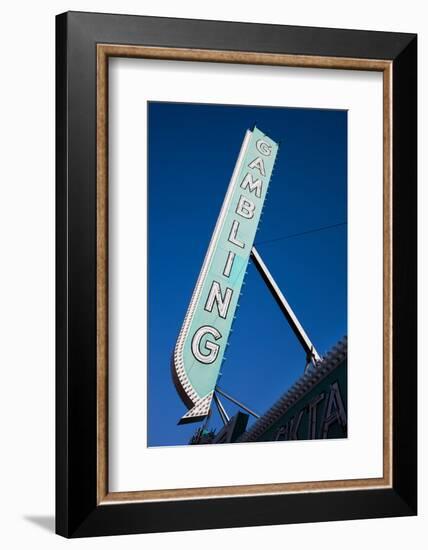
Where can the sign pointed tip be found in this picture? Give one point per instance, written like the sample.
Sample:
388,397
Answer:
189,420
199,411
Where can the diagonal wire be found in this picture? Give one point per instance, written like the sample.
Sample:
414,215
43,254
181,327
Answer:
323,228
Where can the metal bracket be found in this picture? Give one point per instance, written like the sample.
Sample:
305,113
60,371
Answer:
221,410
233,400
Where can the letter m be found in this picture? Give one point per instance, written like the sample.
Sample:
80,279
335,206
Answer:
253,185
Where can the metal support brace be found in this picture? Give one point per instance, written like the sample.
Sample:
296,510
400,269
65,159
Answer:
233,400
221,410
310,351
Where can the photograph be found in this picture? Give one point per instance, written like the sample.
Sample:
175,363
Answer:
247,273
212,277
235,273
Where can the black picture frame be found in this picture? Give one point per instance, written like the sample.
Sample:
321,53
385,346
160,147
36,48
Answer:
78,510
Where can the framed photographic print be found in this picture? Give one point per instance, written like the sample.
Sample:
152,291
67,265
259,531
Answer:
236,274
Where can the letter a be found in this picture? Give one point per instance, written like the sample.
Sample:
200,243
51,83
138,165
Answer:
259,164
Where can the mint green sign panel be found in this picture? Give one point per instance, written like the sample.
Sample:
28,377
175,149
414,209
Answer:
200,347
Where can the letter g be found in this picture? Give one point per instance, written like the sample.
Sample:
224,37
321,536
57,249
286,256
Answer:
211,356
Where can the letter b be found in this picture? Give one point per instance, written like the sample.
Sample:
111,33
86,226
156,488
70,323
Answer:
245,208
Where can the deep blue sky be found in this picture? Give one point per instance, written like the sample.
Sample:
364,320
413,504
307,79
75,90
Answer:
192,152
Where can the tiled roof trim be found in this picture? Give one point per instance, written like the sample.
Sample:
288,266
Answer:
302,386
